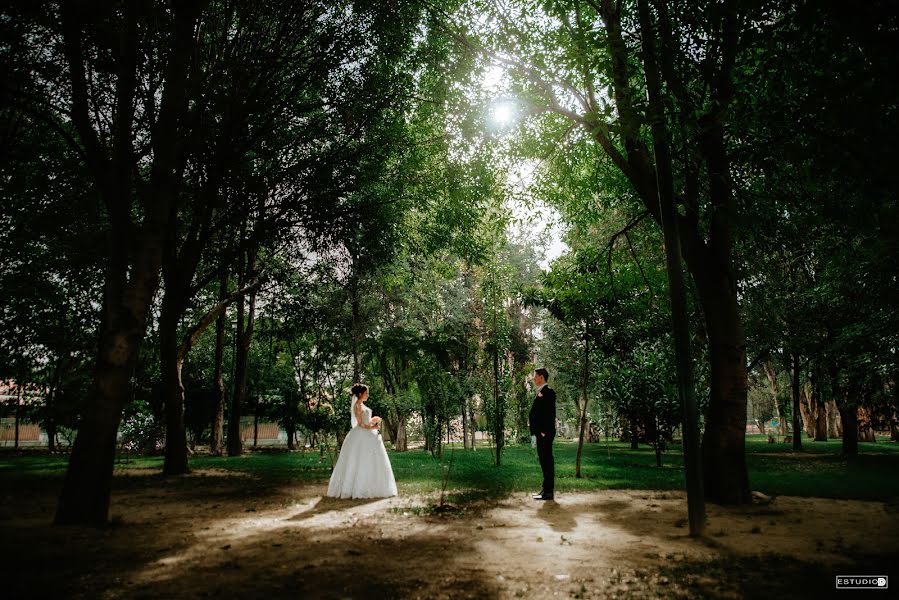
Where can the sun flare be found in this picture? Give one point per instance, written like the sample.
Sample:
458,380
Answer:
503,113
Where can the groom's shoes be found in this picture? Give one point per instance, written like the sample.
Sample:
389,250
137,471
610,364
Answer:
543,496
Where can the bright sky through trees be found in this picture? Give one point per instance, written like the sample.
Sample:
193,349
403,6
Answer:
531,218
503,113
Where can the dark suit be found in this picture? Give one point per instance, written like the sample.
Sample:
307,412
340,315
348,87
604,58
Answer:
542,421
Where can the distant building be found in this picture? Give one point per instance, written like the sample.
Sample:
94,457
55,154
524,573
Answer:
12,397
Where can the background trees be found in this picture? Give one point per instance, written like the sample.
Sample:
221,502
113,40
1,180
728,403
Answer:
582,75
355,191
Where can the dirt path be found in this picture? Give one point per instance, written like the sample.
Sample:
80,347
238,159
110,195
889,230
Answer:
221,535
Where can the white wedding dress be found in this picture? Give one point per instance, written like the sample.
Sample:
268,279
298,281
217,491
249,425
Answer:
363,469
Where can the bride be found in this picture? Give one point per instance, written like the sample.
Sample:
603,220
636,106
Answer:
363,469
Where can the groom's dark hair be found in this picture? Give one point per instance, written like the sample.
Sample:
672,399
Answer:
543,373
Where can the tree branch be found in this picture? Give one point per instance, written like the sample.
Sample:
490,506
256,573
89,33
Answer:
197,330
640,267
80,112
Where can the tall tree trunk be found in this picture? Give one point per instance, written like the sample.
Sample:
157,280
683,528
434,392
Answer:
245,321
173,389
474,423
50,417
401,443
795,384
771,373
708,255
218,419
49,423
894,412
849,416
256,422
725,477
820,410
582,434
86,490
465,442
677,294
807,409
173,351
134,255
865,425
498,413
354,326
18,413
582,405
833,420
289,421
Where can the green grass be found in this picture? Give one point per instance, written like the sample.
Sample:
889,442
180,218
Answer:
819,470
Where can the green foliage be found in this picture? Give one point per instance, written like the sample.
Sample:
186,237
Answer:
821,472
141,431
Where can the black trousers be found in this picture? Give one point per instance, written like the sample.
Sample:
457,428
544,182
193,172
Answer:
547,463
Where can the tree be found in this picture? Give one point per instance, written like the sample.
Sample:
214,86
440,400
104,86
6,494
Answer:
137,195
557,50
819,196
50,268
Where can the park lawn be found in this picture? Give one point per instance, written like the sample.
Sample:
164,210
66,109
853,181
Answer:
774,469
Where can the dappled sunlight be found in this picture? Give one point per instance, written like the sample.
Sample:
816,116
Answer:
216,534
241,530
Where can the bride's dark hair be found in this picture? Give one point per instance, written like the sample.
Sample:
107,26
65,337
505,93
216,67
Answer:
358,388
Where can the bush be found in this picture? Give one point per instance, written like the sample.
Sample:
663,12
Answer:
140,431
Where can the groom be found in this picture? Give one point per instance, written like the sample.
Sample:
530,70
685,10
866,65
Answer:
543,426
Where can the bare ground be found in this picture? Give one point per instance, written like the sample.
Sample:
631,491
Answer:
217,534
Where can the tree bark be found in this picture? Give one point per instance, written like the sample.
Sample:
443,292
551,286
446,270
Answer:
797,402
245,321
401,443
807,407
134,253
582,405
86,490
724,441
354,327
771,373
708,255
474,424
820,410
173,351
49,423
865,425
50,417
497,409
289,422
833,420
256,422
725,477
680,323
218,419
849,416
18,412
465,443
170,362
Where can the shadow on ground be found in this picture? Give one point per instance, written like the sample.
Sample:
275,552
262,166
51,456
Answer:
228,537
